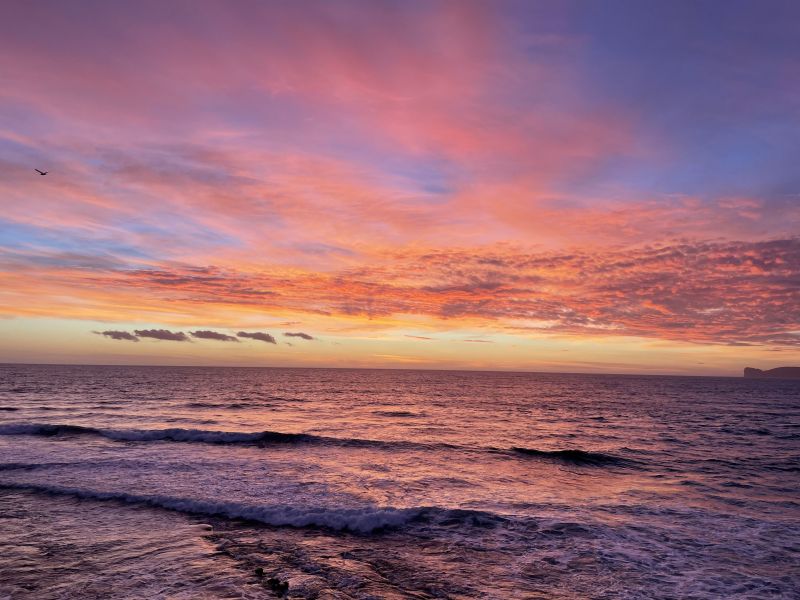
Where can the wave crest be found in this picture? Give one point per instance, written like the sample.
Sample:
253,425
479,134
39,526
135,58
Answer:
356,520
264,438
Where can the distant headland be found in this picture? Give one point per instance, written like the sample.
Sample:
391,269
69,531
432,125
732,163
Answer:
779,373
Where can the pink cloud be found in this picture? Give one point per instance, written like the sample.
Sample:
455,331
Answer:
705,292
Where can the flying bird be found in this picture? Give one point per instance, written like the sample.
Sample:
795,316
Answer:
41,172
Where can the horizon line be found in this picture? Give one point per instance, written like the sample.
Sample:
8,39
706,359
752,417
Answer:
186,366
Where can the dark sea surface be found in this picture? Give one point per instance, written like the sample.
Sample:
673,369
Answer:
147,482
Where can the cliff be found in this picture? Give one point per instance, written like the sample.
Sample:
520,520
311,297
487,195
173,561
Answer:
779,373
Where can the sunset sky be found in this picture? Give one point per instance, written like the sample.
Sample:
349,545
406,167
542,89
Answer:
558,186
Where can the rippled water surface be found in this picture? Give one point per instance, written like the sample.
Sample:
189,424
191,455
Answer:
142,482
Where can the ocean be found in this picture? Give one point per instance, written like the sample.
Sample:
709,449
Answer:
195,483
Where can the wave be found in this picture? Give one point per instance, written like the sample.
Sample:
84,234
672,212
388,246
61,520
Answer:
242,403
357,520
152,435
44,429
204,436
223,405
29,466
395,413
18,466
578,457
264,438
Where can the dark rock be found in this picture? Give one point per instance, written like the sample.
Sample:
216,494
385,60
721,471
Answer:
278,586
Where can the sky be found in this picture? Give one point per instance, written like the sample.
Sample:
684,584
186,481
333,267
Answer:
539,186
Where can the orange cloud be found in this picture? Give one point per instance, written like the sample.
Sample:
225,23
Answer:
709,292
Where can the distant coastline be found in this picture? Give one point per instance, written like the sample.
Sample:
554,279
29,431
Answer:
778,373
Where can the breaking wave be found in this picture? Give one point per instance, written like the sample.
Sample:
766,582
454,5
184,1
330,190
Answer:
264,438
357,520
204,436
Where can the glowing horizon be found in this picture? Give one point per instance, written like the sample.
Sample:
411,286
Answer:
509,185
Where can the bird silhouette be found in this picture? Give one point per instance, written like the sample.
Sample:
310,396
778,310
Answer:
41,172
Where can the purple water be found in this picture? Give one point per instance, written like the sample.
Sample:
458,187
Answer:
143,482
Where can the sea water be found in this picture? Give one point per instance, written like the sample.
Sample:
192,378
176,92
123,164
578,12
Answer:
149,482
